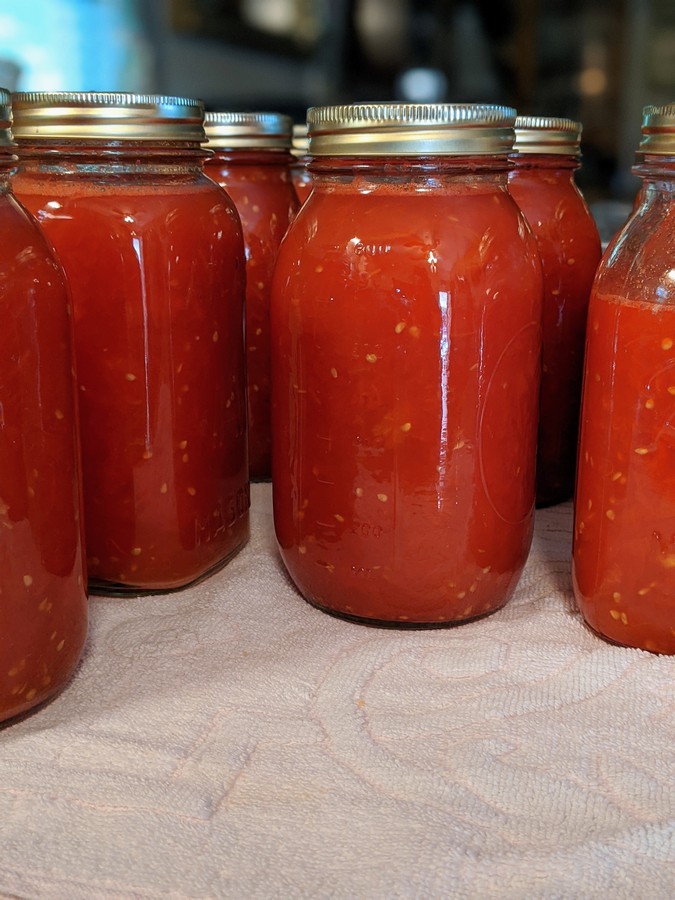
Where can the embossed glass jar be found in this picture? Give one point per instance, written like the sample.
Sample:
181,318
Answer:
624,516
43,603
406,310
154,254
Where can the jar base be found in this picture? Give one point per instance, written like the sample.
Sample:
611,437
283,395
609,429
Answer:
400,624
117,589
626,646
9,719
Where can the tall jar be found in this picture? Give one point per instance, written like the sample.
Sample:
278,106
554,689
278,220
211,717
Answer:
546,156
624,516
43,607
154,254
251,161
406,309
300,174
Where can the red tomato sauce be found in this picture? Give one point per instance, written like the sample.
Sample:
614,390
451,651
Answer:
43,608
569,248
259,183
624,533
406,360
156,277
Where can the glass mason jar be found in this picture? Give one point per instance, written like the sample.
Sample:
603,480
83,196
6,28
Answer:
406,310
154,254
300,174
43,609
546,156
624,517
251,161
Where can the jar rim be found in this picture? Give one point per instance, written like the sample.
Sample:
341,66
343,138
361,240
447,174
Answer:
232,130
108,116
547,134
410,129
658,130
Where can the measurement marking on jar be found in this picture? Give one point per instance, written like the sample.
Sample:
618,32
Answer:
367,529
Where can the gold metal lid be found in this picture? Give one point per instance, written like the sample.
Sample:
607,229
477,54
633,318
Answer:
6,139
47,116
248,130
541,134
658,130
300,140
410,129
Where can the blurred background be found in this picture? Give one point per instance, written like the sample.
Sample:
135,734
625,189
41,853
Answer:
598,63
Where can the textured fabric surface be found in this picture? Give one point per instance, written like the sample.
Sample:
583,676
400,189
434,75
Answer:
231,741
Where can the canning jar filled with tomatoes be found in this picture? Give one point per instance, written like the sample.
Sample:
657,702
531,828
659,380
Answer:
406,310
546,156
154,255
43,607
624,516
251,160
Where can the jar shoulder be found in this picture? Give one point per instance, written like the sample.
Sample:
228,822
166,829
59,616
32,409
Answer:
638,263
